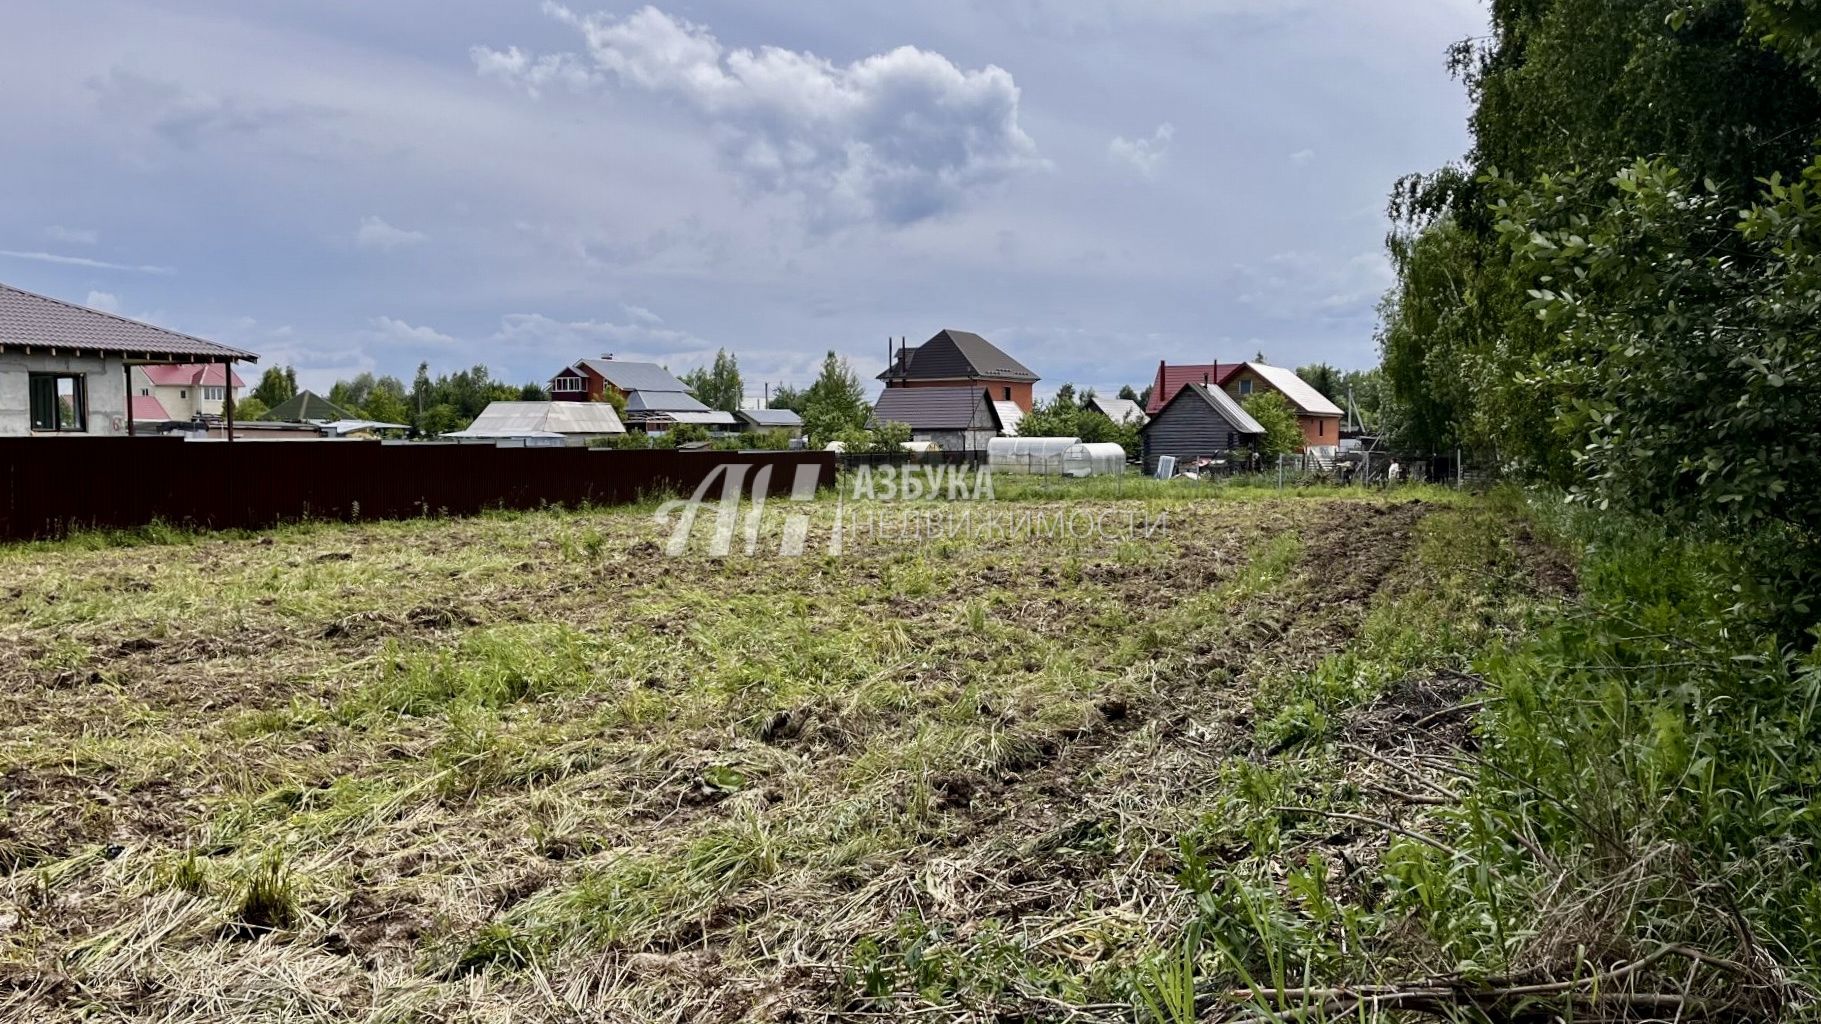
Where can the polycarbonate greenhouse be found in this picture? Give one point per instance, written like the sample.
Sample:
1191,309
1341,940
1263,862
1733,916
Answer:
1054,456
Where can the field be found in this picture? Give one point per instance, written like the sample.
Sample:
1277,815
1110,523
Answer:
527,767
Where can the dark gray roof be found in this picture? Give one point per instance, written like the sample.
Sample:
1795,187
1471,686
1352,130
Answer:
955,354
630,376
1222,402
771,417
27,318
957,408
642,400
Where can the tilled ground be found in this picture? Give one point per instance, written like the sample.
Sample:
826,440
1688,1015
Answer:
527,768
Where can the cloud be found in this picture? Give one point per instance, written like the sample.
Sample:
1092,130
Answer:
84,261
105,301
896,137
386,328
186,119
1144,154
578,338
1303,285
641,314
1302,156
72,236
375,233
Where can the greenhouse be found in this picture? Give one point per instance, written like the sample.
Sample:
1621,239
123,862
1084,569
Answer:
1054,456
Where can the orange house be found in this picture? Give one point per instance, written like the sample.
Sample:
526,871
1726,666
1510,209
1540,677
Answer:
954,358
1318,417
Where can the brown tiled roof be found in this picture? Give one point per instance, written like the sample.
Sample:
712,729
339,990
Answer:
30,319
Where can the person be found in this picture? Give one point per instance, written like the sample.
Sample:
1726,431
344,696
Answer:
1394,474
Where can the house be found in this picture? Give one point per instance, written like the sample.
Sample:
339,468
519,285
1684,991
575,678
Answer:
655,399
957,419
182,391
571,424
760,420
68,370
307,407
1119,410
955,358
1318,417
1201,420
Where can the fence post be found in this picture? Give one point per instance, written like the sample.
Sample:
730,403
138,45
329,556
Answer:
1280,472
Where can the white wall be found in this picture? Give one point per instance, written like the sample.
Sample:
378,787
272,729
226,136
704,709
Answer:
105,382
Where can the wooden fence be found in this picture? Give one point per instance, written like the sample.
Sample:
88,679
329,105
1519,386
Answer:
49,486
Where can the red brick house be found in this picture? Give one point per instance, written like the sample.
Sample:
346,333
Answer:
1318,417
961,358
655,398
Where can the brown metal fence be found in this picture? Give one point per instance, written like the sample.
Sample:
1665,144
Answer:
49,486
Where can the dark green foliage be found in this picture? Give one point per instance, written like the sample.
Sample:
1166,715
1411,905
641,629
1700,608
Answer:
1273,412
835,404
717,386
1064,416
276,386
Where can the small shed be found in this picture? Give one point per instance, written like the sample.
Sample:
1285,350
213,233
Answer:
956,419
1201,420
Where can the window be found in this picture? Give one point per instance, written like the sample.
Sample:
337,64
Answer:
214,394
1008,394
183,394
1245,387
566,384
145,392
59,402
1321,428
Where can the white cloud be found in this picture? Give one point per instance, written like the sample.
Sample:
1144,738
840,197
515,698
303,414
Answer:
72,236
185,118
1144,154
375,233
1302,156
531,73
642,314
84,261
105,301
577,338
387,328
896,137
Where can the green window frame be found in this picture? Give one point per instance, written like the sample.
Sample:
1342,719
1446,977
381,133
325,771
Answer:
59,402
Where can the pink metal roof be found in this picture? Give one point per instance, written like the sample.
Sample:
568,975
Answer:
149,409
1171,378
192,375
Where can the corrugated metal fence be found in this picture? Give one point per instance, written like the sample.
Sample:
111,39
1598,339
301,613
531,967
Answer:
49,486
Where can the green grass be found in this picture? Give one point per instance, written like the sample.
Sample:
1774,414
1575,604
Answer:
448,769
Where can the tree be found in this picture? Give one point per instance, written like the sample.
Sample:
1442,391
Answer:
1322,378
787,397
276,386
888,438
250,408
1126,392
718,386
1273,412
835,403
387,402
1062,416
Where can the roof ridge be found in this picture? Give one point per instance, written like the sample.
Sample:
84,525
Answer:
126,320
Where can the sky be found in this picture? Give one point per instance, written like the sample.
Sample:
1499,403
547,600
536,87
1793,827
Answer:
1093,185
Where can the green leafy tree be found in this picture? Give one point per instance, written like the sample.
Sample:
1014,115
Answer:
250,408
278,384
1126,392
717,386
1062,416
887,438
787,397
835,404
1273,412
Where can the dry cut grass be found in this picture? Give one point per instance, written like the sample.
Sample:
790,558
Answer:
526,768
